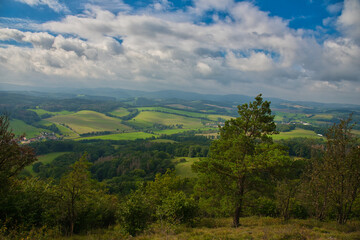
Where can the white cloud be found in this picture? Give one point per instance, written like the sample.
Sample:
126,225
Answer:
251,53
53,4
203,68
349,20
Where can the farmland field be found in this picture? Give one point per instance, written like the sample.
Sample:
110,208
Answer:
148,118
120,112
163,141
19,127
66,132
169,110
297,132
45,159
89,121
322,116
121,136
170,131
214,117
41,112
183,169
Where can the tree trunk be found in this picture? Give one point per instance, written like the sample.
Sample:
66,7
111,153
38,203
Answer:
239,206
237,214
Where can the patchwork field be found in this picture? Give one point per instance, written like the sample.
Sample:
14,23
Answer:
169,110
89,121
322,116
121,136
148,118
297,132
41,112
214,117
120,112
19,127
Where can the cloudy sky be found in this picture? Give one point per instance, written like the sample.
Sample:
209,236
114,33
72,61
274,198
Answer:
292,49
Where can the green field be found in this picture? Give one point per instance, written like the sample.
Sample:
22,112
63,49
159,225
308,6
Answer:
89,121
121,136
163,141
214,117
41,112
170,131
169,110
65,132
45,159
148,118
120,112
19,127
297,132
183,169
322,116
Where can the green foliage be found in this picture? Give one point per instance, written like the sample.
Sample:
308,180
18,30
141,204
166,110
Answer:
82,203
160,201
135,214
29,203
335,178
13,156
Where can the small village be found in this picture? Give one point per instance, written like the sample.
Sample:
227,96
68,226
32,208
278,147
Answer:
43,136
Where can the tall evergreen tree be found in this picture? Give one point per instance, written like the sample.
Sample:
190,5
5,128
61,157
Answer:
243,155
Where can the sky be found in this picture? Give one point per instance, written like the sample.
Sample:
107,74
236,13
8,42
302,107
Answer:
307,50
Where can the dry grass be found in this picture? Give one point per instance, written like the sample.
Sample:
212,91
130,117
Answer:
220,229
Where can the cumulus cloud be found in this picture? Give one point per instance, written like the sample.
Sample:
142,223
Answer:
349,20
250,52
53,4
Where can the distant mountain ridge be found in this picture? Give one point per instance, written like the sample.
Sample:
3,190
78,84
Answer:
123,94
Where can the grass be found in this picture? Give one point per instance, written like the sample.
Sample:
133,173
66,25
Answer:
214,117
65,132
45,159
89,121
297,132
251,228
121,136
181,106
148,118
183,167
120,112
322,116
41,112
19,127
163,141
356,132
170,131
169,110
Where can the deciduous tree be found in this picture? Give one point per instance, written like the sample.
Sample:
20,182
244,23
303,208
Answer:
13,156
336,177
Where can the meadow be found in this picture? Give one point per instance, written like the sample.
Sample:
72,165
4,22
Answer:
42,112
120,112
148,118
297,132
251,228
175,111
19,127
45,159
121,136
89,121
183,166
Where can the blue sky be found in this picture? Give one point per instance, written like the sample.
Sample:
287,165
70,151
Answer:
294,49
